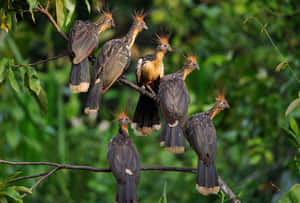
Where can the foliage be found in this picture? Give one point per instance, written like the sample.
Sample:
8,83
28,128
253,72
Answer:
292,195
256,61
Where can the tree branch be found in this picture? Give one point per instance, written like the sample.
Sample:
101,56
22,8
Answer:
42,61
137,88
228,192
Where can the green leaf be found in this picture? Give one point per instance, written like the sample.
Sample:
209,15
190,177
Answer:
32,5
60,15
292,196
3,63
281,66
3,200
88,5
294,125
12,194
13,82
22,189
292,106
69,5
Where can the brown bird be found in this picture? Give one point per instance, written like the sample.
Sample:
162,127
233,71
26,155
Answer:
83,38
174,100
112,61
201,134
124,163
150,69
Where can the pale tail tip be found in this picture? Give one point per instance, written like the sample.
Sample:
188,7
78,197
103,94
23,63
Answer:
206,191
90,111
175,150
82,87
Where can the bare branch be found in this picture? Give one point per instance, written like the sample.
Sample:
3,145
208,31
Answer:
42,61
41,179
58,166
137,88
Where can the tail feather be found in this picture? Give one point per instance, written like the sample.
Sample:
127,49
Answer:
79,80
207,178
146,117
127,193
94,97
172,138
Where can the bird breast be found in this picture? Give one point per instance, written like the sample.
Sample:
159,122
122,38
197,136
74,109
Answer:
151,71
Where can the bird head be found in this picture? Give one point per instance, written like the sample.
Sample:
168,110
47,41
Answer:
108,19
123,119
221,101
163,42
191,62
139,20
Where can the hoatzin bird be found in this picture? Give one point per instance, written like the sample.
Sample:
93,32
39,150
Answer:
83,38
150,69
124,163
112,61
201,134
174,100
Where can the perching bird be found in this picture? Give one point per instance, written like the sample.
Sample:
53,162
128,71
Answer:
174,100
124,163
150,69
83,39
112,61
201,134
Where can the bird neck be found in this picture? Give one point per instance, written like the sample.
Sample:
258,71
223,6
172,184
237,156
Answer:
123,128
132,34
212,112
103,27
184,72
159,56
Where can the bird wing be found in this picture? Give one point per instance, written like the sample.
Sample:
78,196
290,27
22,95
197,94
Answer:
201,134
139,71
83,39
112,61
174,98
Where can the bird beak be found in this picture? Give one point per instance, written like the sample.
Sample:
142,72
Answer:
227,105
197,67
145,26
113,24
170,48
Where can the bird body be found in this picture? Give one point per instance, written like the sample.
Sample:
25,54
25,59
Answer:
201,135
124,162
112,61
150,68
174,100
83,38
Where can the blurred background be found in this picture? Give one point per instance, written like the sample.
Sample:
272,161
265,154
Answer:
250,49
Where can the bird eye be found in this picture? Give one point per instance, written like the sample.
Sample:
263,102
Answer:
140,24
165,45
108,21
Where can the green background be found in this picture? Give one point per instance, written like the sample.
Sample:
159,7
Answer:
256,156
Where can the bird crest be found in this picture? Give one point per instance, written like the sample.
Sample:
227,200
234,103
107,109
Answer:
163,39
139,16
192,58
221,96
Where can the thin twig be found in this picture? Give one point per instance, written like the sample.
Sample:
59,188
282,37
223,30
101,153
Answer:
137,88
58,166
27,177
41,179
42,61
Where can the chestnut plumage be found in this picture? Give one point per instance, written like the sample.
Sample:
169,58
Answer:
112,61
124,162
201,135
174,100
83,38
150,69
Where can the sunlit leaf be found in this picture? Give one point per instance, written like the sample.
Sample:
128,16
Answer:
292,106
22,189
60,15
88,5
13,194
3,63
294,125
13,81
32,5
281,66
69,5
291,196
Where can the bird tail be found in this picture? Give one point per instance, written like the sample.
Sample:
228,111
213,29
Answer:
79,80
207,178
146,116
94,97
172,137
127,193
